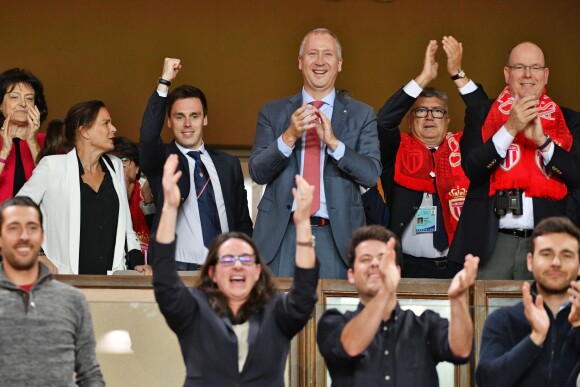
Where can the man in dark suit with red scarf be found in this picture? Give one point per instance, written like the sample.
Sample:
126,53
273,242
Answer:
422,177
521,153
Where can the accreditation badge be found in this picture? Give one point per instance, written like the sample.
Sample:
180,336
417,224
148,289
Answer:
426,220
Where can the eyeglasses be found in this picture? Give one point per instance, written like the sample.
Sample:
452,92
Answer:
126,161
519,68
422,112
230,260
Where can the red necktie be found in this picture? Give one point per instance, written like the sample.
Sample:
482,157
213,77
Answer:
312,161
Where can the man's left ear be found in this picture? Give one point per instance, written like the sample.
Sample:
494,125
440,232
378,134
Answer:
205,121
339,65
529,259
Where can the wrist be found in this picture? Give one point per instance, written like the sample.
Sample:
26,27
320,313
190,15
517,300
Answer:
164,81
288,139
333,144
423,80
459,74
169,209
544,142
306,242
537,338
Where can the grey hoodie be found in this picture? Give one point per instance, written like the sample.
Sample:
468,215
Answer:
46,335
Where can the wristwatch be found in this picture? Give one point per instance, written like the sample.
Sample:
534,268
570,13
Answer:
460,74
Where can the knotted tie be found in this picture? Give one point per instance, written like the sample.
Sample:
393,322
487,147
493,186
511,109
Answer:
311,171
208,214
440,241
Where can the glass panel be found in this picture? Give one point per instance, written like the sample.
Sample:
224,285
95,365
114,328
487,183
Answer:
135,347
494,303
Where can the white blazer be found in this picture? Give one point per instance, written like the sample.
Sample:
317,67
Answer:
55,187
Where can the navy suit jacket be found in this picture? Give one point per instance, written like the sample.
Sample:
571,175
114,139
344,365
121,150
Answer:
354,124
208,342
152,156
478,226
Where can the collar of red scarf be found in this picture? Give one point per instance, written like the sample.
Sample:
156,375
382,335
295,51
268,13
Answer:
523,166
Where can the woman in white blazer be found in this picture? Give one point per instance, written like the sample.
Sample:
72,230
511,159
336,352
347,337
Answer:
81,195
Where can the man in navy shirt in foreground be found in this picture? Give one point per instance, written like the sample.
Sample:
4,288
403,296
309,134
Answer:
537,342
380,342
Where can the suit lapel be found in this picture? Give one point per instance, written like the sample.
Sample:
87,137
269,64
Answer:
74,192
292,105
183,183
339,114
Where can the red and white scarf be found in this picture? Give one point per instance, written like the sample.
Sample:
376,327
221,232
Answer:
415,166
523,166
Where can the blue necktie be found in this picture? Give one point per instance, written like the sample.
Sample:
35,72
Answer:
208,214
440,241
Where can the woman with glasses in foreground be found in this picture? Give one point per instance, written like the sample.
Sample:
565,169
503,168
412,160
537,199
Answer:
234,327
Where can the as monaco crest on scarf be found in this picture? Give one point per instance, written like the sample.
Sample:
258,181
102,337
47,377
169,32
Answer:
458,195
512,157
412,161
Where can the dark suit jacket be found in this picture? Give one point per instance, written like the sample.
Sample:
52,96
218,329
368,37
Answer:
153,153
402,202
478,226
208,342
354,124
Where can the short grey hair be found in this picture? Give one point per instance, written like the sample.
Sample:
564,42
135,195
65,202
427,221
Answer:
321,31
433,92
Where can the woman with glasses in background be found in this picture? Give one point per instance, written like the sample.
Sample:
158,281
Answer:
234,327
22,111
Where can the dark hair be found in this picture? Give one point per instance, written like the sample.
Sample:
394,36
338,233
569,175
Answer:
555,225
184,92
507,60
12,77
260,294
81,114
429,92
55,142
375,233
23,201
126,148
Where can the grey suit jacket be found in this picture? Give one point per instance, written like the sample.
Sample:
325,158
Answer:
354,124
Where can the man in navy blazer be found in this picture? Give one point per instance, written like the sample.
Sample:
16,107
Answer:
349,159
187,116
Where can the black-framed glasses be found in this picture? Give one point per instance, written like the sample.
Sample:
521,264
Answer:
422,112
520,68
230,260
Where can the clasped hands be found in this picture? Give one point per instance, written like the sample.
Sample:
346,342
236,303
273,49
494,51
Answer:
308,117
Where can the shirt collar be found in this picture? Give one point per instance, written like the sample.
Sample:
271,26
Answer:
328,99
185,150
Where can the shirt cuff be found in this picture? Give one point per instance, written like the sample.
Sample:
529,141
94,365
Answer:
162,93
469,87
548,155
282,147
412,89
338,152
502,141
